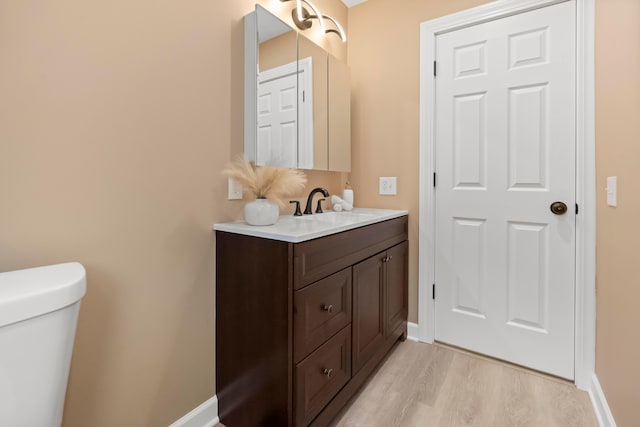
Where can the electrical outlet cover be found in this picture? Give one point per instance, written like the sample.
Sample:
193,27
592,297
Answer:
612,190
235,190
388,185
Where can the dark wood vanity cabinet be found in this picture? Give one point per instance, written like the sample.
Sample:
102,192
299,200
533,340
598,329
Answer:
300,326
380,301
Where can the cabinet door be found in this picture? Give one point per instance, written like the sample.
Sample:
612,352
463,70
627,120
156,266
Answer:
396,292
368,309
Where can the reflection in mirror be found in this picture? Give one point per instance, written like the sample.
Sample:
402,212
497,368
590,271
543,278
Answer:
339,111
313,124
277,92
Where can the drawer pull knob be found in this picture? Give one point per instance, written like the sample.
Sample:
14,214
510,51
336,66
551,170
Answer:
327,308
327,372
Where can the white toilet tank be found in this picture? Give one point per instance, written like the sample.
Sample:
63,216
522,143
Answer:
38,315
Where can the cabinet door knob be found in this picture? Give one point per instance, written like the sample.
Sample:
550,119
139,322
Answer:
327,372
327,308
385,259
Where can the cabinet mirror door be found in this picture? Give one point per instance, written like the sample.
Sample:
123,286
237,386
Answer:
339,111
277,92
312,141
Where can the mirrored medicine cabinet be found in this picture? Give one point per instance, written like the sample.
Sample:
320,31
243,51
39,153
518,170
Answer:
297,99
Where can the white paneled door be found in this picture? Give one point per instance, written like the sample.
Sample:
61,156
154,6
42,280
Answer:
277,117
505,153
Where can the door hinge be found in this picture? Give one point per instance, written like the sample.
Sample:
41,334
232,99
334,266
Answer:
303,99
433,291
435,73
577,209
434,179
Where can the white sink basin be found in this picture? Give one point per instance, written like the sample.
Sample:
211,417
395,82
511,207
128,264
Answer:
338,218
296,229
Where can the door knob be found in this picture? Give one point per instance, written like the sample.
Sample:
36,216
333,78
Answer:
558,208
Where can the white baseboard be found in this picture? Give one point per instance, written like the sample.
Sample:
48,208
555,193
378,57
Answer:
600,405
412,331
205,415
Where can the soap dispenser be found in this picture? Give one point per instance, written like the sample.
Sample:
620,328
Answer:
347,193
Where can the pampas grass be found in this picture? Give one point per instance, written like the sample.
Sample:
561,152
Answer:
266,182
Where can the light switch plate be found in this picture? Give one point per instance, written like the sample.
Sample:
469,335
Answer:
612,190
235,190
388,185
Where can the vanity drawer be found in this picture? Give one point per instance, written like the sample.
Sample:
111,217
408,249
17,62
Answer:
319,311
321,375
318,258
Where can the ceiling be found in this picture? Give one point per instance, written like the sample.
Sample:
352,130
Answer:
351,3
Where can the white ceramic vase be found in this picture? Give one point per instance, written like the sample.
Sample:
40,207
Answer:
261,212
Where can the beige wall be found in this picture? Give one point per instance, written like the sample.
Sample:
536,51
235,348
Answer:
116,118
115,121
278,51
618,229
385,85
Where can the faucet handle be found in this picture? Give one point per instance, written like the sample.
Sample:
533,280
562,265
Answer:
298,212
319,207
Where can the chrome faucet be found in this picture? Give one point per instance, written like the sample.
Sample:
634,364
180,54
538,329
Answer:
307,209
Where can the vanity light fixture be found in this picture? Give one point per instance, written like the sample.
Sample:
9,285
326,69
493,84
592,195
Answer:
302,18
339,31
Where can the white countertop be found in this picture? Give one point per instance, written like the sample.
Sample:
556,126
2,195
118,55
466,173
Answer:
297,229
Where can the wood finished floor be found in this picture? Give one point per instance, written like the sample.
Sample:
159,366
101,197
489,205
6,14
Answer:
433,385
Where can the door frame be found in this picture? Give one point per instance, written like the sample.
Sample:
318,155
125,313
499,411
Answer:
585,297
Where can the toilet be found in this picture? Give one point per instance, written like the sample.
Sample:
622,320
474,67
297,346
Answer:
38,315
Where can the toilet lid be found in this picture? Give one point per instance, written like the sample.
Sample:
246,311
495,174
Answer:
35,291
